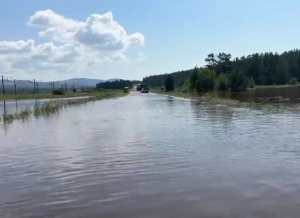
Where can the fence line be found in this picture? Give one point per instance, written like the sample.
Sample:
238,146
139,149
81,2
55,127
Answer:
8,85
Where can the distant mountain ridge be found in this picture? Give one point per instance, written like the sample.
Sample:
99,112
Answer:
81,81
27,86
73,81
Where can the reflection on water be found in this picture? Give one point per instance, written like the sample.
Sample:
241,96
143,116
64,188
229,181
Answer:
152,156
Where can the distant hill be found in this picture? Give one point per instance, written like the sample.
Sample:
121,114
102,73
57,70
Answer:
81,82
27,86
112,80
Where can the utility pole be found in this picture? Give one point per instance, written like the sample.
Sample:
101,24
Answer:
3,89
15,85
34,89
66,87
53,86
37,87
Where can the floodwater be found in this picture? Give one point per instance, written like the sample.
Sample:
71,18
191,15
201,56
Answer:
276,95
151,156
16,106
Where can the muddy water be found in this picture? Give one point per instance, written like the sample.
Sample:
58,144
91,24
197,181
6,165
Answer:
151,156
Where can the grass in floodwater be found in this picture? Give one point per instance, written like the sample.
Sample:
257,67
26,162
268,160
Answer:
54,107
49,108
96,94
9,118
211,98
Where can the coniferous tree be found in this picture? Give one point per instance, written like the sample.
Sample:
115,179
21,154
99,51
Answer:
169,84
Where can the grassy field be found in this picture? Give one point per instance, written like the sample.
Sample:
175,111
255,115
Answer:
102,94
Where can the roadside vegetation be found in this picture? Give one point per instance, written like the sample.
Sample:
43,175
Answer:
265,69
60,94
55,106
212,98
222,78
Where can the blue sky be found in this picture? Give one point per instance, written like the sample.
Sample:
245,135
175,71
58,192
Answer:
172,35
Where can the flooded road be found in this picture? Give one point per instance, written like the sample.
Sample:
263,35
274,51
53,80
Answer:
15,106
151,156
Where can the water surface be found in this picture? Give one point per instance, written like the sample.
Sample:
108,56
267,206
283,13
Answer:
15,106
151,156
269,95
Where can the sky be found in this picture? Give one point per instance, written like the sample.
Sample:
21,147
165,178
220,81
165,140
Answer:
131,39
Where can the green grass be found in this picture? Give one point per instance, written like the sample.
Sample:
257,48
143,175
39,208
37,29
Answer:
55,106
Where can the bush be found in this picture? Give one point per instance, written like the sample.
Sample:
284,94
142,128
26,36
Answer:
251,83
194,78
58,92
169,84
294,81
238,82
206,80
186,86
222,83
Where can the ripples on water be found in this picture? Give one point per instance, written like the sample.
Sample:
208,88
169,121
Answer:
151,156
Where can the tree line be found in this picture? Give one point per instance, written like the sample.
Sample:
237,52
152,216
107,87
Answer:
159,80
221,72
265,68
116,84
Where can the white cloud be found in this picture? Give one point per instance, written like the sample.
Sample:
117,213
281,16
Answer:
75,45
98,31
55,25
119,57
55,54
102,32
9,47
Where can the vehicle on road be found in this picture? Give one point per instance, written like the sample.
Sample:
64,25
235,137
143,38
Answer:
126,90
145,90
140,87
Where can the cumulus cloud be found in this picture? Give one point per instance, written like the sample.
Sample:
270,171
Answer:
54,25
101,31
55,54
73,44
119,57
9,47
97,31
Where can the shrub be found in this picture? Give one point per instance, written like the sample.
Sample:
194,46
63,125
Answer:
293,81
206,80
251,83
238,82
222,82
58,92
186,86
